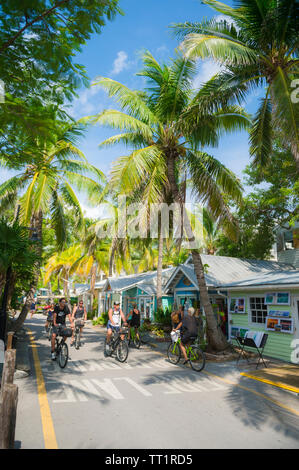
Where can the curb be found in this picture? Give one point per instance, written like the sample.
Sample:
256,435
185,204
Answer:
23,365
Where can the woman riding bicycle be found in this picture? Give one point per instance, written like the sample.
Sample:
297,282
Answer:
79,314
133,319
177,319
50,313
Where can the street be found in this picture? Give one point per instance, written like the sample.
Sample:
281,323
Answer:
99,403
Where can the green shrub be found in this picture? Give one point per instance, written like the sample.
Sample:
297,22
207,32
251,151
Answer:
101,320
163,318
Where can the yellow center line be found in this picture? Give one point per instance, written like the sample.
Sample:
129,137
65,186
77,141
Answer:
276,384
47,422
230,382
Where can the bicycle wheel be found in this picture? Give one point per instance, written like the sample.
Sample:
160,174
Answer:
144,337
107,352
122,351
49,332
174,353
197,358
137,341
77,340
63,355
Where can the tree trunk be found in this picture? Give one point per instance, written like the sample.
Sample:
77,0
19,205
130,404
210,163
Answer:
3,312
160,264
112,254
11,289
93,281
216,338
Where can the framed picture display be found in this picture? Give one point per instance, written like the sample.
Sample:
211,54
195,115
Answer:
279,313
238,331
282,298
237,305
283,325
270,298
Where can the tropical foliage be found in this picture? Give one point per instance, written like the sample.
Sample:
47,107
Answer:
166,134
257,46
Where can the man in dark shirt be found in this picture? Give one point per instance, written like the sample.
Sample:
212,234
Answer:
190,329
60,312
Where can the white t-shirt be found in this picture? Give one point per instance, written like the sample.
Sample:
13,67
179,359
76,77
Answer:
116,317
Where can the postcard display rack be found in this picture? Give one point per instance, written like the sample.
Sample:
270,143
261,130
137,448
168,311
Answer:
276,320
279,320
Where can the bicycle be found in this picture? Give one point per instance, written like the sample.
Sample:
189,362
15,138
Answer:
78,325
49,329
195,355
61,348
118,345
134,337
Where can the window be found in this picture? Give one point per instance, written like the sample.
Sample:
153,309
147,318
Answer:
258,309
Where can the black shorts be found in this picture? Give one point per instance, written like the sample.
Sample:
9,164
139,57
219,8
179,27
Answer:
186,337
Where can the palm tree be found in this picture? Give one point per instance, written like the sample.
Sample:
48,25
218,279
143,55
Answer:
16,263
257,47
62,264
211,233
44,187
165,134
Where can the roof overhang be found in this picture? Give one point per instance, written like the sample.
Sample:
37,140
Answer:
176,275
262,287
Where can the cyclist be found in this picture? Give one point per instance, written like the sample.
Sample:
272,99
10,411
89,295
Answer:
133,319
177,319
115,316
79,313
33,308
60,312
50,313
190,329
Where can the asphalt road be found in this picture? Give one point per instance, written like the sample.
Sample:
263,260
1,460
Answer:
145,403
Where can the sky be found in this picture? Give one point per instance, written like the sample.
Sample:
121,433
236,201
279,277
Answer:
115,53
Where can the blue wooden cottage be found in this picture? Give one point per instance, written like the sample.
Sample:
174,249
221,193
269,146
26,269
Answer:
255,295
140,289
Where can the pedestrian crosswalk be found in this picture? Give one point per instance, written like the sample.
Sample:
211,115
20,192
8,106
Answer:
89,385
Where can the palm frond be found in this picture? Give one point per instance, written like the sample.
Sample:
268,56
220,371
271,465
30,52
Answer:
128,99
261,133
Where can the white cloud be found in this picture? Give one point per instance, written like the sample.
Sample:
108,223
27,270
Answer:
120,63
207,69
87,103
228,19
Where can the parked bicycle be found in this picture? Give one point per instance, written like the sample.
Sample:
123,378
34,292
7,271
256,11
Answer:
195,355
61,348
78,325
118,345
134,337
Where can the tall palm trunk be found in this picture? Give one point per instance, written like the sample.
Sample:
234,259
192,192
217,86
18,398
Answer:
112,254
216,338
93,281
160,264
